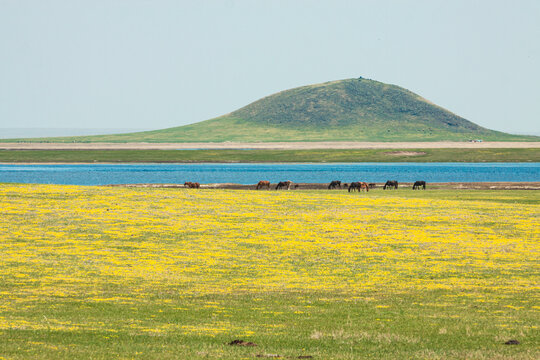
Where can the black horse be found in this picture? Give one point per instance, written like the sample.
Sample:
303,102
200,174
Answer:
334,184
419,184
390,184
285,184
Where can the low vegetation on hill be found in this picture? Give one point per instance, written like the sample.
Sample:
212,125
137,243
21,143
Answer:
344,110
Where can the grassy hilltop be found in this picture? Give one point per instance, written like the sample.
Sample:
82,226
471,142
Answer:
344,110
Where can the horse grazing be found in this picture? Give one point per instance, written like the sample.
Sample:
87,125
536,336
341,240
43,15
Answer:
263,184
286,184
192,185
334,184
418,184
372,185
390,184
358,186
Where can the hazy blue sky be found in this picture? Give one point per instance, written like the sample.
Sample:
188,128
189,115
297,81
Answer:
157,64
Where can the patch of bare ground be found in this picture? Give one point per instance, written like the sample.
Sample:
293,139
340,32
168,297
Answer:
241,343
405,153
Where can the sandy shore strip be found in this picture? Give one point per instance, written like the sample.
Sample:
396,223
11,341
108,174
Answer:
272,146
377,186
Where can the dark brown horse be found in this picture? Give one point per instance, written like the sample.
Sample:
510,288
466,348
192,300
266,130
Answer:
334,184
263,184
192,185
419,184
283,184
358,186
391,184
354,186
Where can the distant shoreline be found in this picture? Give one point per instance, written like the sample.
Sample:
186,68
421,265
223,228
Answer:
272,146
497,185
501,185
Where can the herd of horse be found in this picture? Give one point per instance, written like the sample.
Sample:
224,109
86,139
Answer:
359,186
335,184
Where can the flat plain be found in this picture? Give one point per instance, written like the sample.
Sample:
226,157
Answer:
265,156
290,145
101,272
328,151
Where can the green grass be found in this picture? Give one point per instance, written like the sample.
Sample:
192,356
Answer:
337,328
346,110
101,273
186,156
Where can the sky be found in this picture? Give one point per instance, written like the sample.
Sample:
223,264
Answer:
158,64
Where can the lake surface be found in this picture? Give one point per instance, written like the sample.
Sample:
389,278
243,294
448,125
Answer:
102,174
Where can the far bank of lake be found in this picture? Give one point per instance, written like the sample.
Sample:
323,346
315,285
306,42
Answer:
254,155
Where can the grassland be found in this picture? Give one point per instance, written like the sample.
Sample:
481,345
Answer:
94,272
326,155
344,110
233,129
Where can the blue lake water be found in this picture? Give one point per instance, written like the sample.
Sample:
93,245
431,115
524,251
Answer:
102,174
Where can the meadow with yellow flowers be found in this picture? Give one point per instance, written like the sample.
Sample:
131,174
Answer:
135,273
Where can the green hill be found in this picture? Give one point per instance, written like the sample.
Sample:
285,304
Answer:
344,110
